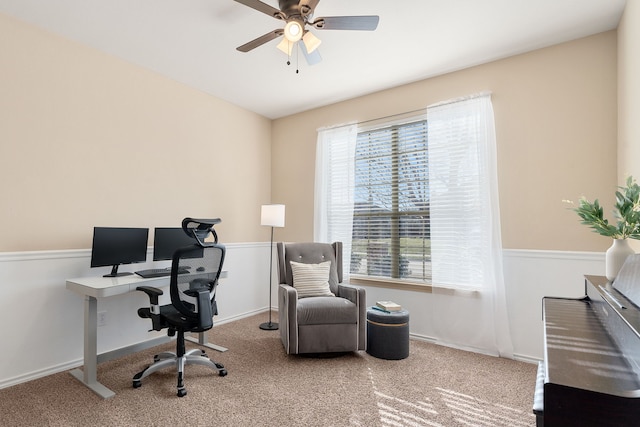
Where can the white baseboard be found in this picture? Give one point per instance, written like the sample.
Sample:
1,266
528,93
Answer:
39,374
431,340
526,359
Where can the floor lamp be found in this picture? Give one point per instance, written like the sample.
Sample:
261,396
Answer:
272,216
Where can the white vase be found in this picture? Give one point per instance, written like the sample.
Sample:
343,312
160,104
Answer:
615,256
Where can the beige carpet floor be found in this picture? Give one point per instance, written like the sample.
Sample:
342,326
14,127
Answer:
434,386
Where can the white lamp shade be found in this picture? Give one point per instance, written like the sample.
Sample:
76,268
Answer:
272,215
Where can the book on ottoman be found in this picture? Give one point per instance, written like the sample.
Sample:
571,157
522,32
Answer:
388,306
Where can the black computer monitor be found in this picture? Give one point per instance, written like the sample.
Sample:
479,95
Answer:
113,246
167,239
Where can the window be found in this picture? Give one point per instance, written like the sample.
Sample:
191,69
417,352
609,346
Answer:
390,232
414,200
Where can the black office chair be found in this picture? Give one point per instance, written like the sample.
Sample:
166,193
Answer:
194,278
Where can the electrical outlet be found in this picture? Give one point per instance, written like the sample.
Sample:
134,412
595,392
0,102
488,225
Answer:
102,318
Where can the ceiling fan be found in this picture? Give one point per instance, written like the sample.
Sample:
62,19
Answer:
297,14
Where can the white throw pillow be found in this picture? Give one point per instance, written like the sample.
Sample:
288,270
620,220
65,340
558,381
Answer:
311,280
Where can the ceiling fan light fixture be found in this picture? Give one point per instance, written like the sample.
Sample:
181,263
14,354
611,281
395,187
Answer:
286,46
311,42
293,31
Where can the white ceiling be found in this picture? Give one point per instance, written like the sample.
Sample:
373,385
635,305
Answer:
194,41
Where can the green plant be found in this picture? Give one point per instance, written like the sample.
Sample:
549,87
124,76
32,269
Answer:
626,211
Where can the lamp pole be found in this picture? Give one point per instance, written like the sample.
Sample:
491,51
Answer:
270,326
273,216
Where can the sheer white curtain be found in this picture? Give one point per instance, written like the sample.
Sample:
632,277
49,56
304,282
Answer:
334,185
469,302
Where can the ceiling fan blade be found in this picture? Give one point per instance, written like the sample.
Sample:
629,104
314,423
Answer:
312,58
260,40
362,23
262,7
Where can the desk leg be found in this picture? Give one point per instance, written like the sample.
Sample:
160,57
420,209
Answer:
202,340
89,374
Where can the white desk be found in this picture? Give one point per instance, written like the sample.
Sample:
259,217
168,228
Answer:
93,288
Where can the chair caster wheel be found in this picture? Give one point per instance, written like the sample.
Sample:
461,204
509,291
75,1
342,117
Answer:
219,365
223,373
137,384
182,392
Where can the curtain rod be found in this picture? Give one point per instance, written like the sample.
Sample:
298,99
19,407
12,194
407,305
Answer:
391,116
419,110
461,98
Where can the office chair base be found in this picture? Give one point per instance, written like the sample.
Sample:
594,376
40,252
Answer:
165,359
164,355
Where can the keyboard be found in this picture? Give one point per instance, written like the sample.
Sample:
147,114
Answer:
159,272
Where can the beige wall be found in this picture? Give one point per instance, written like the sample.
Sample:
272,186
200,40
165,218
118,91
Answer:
629,96
629,92
556,126
87,139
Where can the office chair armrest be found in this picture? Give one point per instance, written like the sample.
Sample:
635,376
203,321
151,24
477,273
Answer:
153,293
153,311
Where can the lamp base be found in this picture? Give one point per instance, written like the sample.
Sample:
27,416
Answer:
269,326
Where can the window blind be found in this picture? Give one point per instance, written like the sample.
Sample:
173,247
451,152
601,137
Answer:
391,202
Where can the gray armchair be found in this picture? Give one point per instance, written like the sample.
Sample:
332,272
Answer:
318,324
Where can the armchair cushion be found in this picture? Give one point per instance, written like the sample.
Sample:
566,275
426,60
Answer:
326,310
311,280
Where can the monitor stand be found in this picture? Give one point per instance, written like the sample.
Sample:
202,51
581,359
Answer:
114,272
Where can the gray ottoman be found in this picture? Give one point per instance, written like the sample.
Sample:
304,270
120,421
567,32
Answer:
388,334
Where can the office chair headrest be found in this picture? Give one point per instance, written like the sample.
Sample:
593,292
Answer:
200,229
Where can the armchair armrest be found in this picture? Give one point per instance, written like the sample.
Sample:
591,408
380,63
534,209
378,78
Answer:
357,295
353,293
287,315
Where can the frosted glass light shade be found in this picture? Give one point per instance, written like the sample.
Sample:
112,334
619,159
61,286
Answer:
286,46
272,215
310,41
293,31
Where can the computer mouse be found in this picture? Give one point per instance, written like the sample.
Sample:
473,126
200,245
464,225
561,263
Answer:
200,269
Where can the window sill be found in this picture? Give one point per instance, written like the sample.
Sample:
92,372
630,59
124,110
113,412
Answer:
390,284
